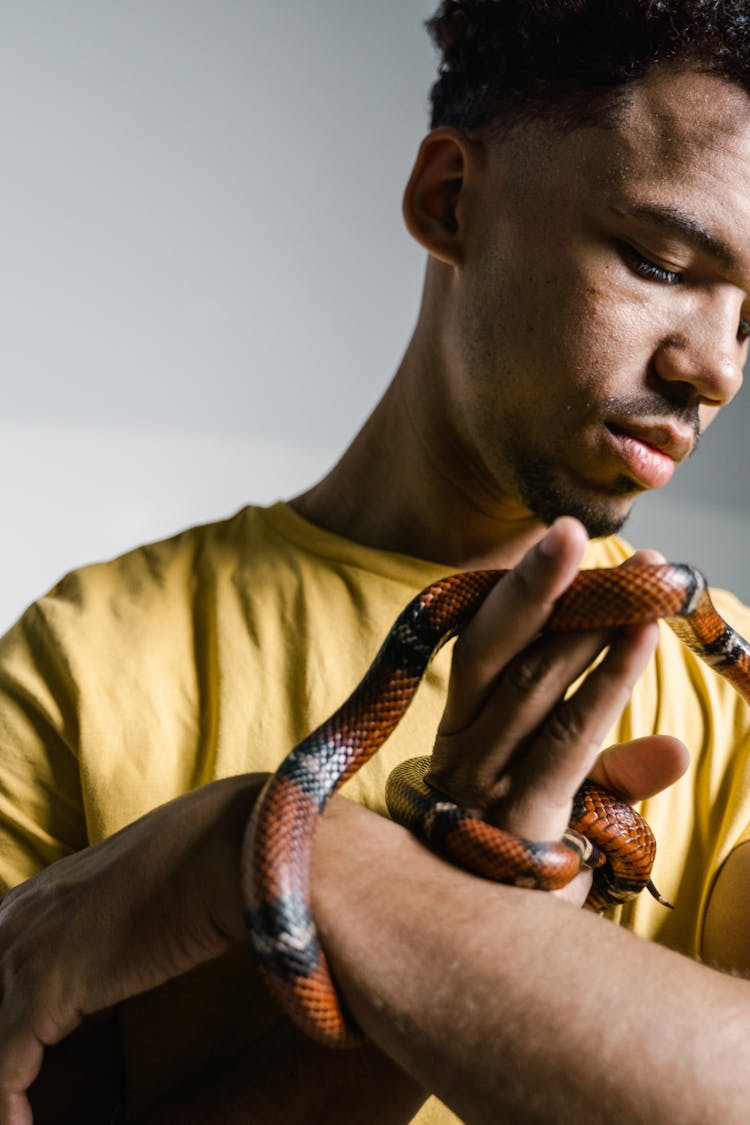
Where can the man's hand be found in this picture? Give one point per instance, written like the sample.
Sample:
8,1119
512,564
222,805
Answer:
514,743
146,905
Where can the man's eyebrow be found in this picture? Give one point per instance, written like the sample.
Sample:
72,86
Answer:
686,226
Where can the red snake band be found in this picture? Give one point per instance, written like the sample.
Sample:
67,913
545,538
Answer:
278,846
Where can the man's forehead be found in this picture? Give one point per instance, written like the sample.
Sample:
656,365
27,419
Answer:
676,111
670,117
681,156
675,150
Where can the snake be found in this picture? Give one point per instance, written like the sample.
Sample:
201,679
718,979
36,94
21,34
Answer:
605,833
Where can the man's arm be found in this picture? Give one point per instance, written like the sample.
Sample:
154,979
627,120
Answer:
146,905
287,1079
513,1006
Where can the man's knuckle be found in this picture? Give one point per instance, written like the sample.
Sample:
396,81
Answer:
566,724
528,671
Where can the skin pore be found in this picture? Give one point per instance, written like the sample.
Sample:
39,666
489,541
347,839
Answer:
586,296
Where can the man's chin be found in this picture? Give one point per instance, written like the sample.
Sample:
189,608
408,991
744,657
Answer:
600,524
600,517
550,491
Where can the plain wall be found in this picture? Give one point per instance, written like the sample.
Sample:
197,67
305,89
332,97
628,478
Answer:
205,280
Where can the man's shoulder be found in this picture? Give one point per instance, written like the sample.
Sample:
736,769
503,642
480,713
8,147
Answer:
153,570
150,587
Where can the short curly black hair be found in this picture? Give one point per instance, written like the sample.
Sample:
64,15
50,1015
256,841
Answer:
571,60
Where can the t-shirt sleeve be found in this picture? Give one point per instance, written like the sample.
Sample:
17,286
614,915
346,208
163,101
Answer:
41,808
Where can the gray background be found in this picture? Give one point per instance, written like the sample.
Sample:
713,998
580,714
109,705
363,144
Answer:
204,279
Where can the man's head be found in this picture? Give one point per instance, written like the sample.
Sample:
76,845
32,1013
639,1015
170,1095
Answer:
588,298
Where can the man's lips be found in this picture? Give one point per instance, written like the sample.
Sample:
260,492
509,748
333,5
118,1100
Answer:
674,441
650,452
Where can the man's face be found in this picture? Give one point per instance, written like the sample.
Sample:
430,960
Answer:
601,307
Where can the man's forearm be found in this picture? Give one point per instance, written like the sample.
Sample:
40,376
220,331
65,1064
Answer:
512,1005
149,904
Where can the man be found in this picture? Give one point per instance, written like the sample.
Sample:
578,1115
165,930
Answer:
582,199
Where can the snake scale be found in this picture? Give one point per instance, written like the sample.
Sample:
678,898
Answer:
282,826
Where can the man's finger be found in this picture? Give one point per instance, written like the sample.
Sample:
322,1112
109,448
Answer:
563,753
511,617
20,1062
639,769
15,1109
471,767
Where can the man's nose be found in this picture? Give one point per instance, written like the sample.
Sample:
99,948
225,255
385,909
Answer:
706,357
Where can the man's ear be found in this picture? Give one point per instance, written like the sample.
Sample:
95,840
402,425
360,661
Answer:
433,200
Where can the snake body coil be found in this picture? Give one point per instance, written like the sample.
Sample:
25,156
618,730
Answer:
282,827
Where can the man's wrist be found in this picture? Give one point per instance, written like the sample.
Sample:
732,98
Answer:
218,853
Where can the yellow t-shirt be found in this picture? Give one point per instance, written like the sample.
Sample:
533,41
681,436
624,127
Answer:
216,651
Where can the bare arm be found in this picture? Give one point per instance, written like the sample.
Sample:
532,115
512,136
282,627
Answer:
512,1005
144,906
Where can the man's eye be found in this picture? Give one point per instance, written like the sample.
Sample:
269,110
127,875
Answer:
743,332
644,268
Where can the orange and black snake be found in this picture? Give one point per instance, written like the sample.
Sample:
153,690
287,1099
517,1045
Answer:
281,830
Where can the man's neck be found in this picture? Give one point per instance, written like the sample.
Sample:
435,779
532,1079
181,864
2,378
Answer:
401,487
